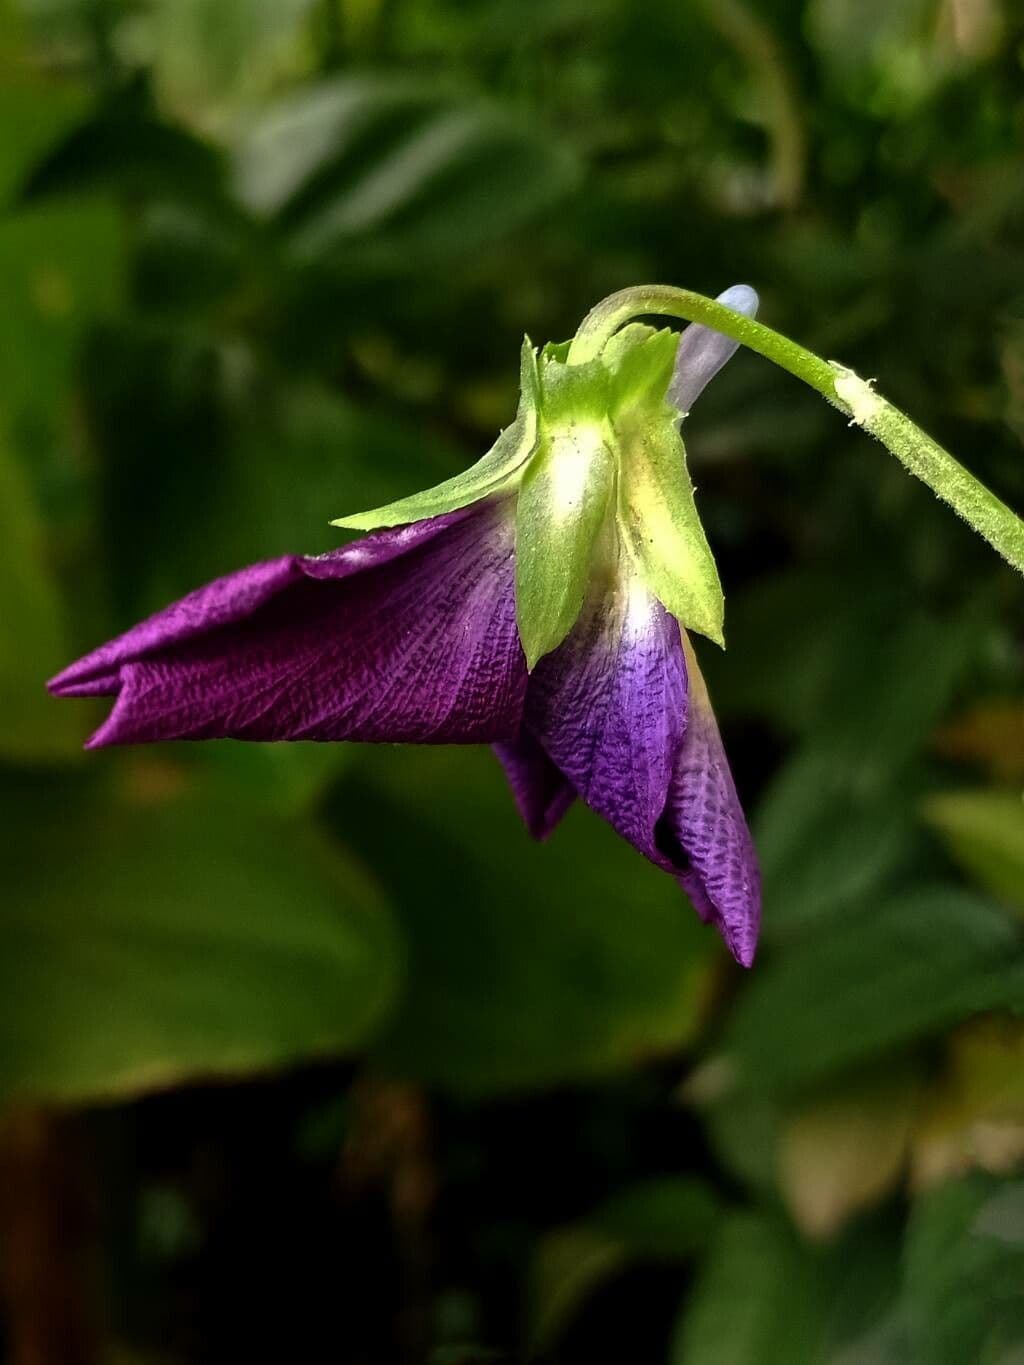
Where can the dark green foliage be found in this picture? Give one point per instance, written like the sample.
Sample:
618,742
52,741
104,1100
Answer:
426,1090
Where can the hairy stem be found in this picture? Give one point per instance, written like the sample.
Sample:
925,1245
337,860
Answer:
855,397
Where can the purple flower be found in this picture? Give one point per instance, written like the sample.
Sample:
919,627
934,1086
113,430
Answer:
411,634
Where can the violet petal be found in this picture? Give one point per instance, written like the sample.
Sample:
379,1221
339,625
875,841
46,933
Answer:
407,635
609,707
705,820
542,792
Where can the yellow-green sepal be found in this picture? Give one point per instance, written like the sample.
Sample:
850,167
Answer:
656,510
562,503
494,473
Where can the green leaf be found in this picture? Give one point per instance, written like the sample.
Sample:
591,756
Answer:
668,1218
665,1218
125,148
391,172
964,1267
656,507
60,268
531,964
569,1265
212,58
886,975
492,474
561,506
823,844
975,1114
755,1301
170,941
33,644
269,466
843,1151
33,114
984,831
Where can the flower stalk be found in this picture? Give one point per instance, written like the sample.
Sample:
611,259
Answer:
855,397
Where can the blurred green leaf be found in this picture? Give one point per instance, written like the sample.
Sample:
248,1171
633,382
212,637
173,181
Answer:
33,114
823,847
843,1151
530,963
392,172
175,940
60,267
221,464
569,1265
755,1301
666,1217
984,831
211,57
975,1113
122,146
964,1272
33,644
886,975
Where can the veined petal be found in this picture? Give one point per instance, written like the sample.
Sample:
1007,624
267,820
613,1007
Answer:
408,635
542,791
704,827
702,351
609,708
491,474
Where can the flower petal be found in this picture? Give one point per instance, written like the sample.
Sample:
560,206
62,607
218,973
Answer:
702,351
542,792
704,826
609,708
408,635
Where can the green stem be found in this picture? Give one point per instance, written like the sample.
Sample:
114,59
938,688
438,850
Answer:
855,397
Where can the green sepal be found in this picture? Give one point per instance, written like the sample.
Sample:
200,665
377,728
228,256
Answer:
562,503
495,472
656,510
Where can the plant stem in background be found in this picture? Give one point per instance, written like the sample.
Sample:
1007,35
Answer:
47,1236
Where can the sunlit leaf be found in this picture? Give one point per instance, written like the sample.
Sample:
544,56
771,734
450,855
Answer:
844,1151
985,834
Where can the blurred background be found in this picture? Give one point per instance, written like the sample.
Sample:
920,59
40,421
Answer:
306,1052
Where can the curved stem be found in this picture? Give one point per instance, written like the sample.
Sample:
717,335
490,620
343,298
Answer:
855,397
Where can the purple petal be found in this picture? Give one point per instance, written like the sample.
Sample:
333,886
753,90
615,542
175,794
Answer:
609,706
407,635
704,820
542,792
702,351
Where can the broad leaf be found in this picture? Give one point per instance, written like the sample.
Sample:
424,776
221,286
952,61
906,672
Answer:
964,1267
530,964
888,974
145,945
985,834
391,172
